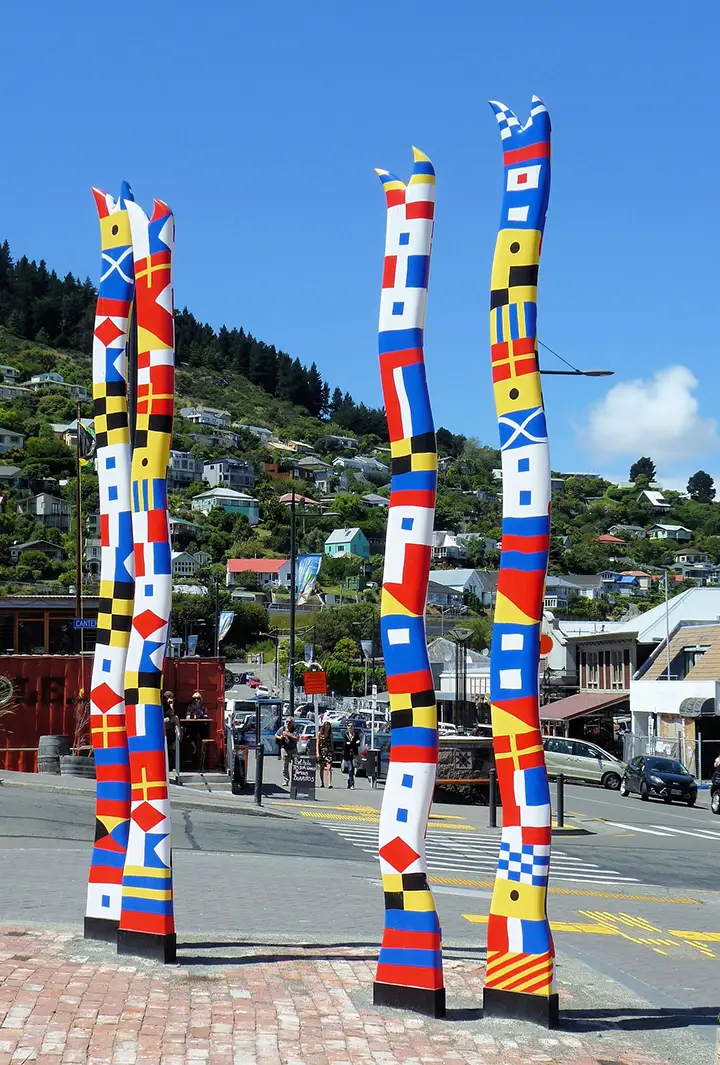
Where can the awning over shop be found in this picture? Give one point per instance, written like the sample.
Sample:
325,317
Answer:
581,704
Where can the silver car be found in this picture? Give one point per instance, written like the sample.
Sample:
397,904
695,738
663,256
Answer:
582,760
306,736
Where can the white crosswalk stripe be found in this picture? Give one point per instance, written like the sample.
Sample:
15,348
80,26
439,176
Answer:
668,830
476,854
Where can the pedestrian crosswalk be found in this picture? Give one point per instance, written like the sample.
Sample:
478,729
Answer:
668,830
476,853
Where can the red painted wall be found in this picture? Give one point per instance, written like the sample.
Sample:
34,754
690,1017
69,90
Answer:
45,685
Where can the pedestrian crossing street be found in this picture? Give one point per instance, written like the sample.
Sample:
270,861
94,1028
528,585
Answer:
475,853
668,831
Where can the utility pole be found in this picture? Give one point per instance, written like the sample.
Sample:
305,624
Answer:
217,617
291,668
78,533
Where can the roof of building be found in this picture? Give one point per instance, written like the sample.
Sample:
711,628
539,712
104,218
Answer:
11,432
634,573
224,493
179,554
343,536
608,538
288,498
687,634
182,521
9,471
626,578
443,650
670,528
450,578
226,458
34,543
656,498
256,565
694,604
376,500
579,705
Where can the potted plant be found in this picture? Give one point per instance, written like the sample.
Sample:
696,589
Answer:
81,761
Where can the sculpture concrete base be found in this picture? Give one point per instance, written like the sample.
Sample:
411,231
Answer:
101,928
145,945
516,1006
416,999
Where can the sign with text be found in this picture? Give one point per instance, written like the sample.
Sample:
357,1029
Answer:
315,682
303,778
85,623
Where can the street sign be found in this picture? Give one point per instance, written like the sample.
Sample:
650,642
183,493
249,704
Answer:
85,623
315,682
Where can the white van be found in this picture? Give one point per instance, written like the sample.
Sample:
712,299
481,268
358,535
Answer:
581,760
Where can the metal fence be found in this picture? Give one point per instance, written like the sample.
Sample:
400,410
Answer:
698,756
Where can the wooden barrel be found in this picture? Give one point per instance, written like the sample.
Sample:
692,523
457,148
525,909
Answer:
50,748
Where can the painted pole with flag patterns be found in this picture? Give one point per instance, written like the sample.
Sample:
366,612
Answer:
117,571
519,981
409,972
147,924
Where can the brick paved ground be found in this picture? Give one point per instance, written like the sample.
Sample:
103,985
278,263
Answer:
63,1000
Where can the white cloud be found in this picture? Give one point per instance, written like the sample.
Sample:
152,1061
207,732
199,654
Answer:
658,417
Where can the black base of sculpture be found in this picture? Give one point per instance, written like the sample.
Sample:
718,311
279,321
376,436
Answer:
517,1006
416,999
101,928
145,945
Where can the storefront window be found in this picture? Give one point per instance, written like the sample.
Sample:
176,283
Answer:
61,637
31,637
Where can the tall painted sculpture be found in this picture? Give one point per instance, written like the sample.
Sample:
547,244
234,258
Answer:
520,953
409,973
147,924
117,584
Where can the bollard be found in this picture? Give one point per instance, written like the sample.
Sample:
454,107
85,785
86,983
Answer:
259,759
560,784
492,798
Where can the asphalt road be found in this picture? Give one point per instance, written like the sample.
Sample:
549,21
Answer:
635,898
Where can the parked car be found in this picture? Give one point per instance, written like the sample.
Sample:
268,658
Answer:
715,792
582,760
263,691
307,730
663,778
381,740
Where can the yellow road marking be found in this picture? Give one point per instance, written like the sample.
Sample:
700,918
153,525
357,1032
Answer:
556,926
463,882
320,815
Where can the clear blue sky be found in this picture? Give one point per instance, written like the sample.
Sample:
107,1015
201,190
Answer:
261,123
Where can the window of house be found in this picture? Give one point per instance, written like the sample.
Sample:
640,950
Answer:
692,656
617,671
593,670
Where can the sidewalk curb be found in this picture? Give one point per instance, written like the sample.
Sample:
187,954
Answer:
177,800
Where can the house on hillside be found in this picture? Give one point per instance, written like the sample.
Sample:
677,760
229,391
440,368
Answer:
363,464
447,547
627,532
655,500
183,469
40,381
347,443
439,595
696,566
374,500
10,374
209,416
644,580
678,533
234,473
480,583
14,392
230,501
11,441
263,434
9,476
47,510
67,431
347,542
53,551
181,530
184,564
267,571
610,541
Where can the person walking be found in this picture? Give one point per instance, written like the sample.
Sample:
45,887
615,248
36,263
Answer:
172,728
351,747
324,752
287,740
